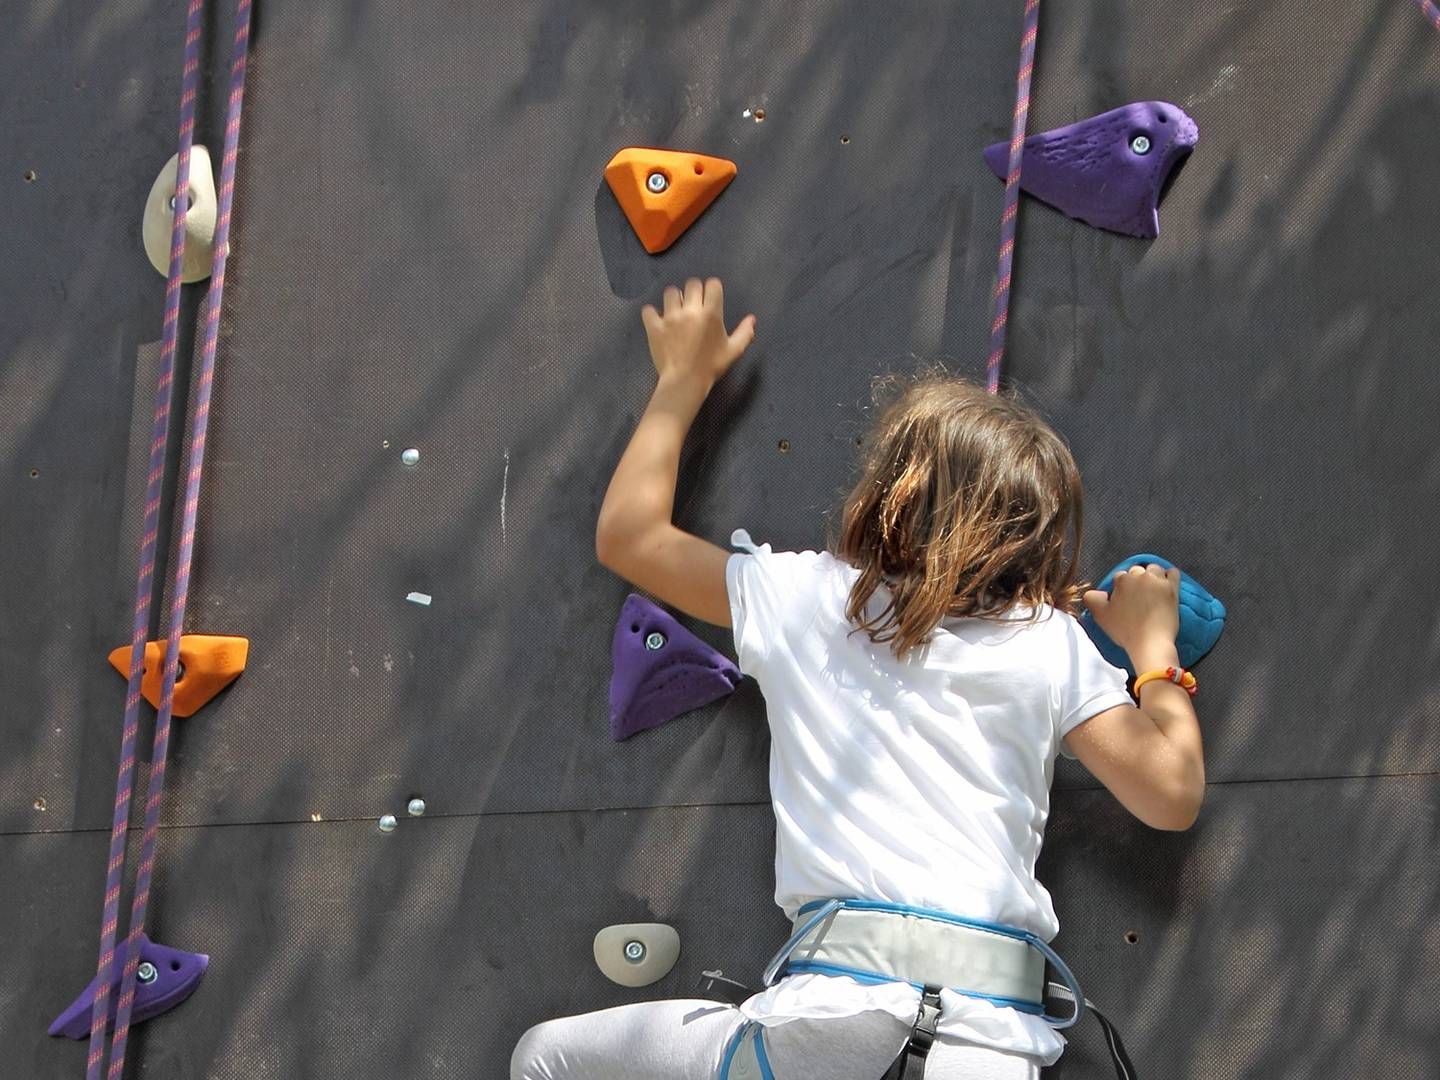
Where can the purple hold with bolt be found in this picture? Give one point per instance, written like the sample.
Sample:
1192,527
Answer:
661,670
1109,171
165,978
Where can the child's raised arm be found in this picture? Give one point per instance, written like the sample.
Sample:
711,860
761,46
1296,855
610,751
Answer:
1150,758
636,536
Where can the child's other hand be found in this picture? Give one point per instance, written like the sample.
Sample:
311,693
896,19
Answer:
1141,613
688,341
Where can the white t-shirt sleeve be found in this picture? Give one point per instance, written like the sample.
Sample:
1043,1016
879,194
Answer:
1089,684
771,596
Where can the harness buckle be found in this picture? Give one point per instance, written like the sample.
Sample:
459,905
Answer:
910,1063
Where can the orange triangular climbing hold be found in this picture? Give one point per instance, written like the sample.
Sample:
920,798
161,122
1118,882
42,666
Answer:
209,662
663,191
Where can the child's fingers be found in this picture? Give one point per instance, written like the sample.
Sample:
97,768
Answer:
650,317
742,335
694,292
1096,600
672,300
714,294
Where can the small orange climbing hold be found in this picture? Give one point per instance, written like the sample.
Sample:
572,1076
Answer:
209,663
663,191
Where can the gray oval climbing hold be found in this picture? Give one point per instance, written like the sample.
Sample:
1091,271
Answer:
159,219
659,948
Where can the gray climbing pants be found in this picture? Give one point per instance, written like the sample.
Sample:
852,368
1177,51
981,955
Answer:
685,1040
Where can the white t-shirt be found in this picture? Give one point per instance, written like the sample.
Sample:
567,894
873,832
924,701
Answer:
922,782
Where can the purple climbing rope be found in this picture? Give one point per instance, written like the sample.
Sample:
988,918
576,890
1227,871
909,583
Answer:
1431,11
1011,214
180,590
145,577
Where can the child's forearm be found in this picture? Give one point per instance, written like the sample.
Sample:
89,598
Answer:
1170,709
641,496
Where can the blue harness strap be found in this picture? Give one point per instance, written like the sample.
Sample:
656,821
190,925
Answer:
745,1057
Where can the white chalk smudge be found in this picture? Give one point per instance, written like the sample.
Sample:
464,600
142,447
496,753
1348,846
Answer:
1223,81
504,495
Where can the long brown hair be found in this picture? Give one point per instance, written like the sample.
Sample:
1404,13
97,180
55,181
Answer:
968,505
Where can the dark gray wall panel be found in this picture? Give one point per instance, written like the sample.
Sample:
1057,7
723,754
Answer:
1267,939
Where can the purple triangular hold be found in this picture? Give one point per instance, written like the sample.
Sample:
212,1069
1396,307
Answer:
660,670
176,974
1108,171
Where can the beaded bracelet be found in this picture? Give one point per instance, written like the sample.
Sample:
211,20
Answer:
1179,676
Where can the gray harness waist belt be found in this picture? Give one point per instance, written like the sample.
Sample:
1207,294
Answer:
874,941
908,947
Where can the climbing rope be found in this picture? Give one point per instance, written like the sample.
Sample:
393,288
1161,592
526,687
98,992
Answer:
1431,11
1009,217
144,581
180,588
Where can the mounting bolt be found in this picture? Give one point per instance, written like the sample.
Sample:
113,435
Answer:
146,972
1140,144
415,807
654,640
387,823
634,951
410,457
657,183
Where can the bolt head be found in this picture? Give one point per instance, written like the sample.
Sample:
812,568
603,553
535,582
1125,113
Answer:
1140,144
415,808
654,640
634,951
657,183
387,823
146,973
411,457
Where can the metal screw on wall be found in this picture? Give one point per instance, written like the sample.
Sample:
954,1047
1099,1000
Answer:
415,807
1140,144
654,640
146,973
657,183
634,951
387,823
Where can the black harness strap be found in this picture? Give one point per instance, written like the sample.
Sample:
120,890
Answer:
910,1065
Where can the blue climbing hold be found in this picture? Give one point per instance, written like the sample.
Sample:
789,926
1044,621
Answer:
1202,617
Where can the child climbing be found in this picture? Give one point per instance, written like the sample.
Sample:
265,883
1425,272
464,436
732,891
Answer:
919,681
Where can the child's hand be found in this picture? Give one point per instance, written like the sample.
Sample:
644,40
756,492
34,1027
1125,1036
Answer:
689,340
1141,613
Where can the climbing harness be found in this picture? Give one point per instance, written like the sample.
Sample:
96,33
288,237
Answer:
180,586
874,942
1009,217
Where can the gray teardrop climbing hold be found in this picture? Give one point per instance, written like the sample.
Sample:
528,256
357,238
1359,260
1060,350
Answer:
637,954
159,219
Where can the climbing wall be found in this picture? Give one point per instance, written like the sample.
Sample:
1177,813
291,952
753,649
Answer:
425,257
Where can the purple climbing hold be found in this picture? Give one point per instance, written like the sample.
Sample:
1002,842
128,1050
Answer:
1108,171
173,976
661,670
